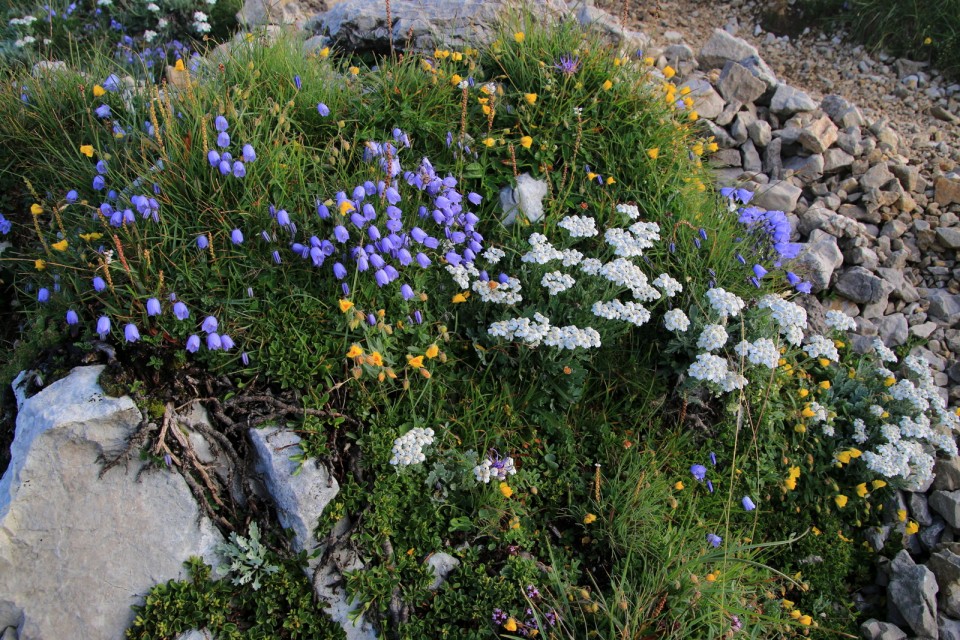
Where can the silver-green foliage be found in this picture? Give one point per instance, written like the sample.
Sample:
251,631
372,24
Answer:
248,558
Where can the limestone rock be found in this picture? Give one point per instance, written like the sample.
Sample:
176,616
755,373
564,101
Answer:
788,100
946,567
329,587
874,629
443,564
818,135
282,12
778,196
77,550
843,113
300,499
706,101
723,47
949,237
947,504
946,190
944,306
819,258
737,83
947,474
912,593
861,286
893,330
949,629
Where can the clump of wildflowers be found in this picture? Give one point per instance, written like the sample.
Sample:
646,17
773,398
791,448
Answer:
408,448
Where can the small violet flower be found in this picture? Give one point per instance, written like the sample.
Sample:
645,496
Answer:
699,472
180,311
714,539
209,325
323,110
131,333
193,344
748,503
153,307
103,326
72,317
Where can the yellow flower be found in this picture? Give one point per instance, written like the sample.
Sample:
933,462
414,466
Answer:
911,528
531,98
487,110
346,206
610,180
526,142
457,299
795,614
354,71
815,531
825,385
355,351
376,359
649,61
591,175
98,91
455,79
790,484
323,53
506,490
805,620
345,305
416,363
841,500
712,147
678,485
839,344
803,393
519,36
928,41
794,472
694,116
854,453
510,624
800,428
589,518
669,72
442,54
87,150
902,515
653,153
607,85
843,457
91,237
890,381
36,209
178,65
39,265
489,142
711,577
807,412
862,489
878,484
456,56
432,351
788,604
824,362
60,246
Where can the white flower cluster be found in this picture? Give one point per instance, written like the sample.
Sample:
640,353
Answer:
761,352
791,318
541,251
859,431
668,285
579,226
713,337
626,274
629,210
494,470
25,21
676,320
462,273
840,321
821,347
711,368
556,281
819,412
493,255
408,448
153,7
541,331
498,292
590,266
633,241
883,352
905,391
904,458
627,311
24,41
149,36
200,24
723,302
571,257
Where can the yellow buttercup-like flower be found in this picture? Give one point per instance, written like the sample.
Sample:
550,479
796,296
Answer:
355,351
805,620
489,142
841,500
345,207
693,116
36,209
354,71
825,385
878,484
669,72
91,237
98,91
911,528
60,246
323,53
458,298
902,515
432,351
345,305
376,359
678,485
526,142
416,363
39,265
519,36
610,180
589,518
456,79
87,150
803,393
178,65
506,490
843,457
653,153
531,98
510,624
862,489
607,85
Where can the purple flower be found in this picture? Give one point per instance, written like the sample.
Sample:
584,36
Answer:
296,82
714,539
323,110
213,158
759,271
214,342
371,320
741,259
226,342
224,167
340,233
249,155
339,271
131,333
209,325
406,291
223,139
699,472
567,65
804,287
276,257
322,211
703,233
283,218
103,111
474,198
72,196
193,344
99,284
239,170
112,83
748,503
221,124
753,280
381,277
792,278
423,260
153,307
99,183
236,236
103,326
202,242
244,358
72,318
393,196
180,311
102,167
713,458
709,486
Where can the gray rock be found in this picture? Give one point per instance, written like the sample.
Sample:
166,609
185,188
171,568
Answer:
442,564
944,306
810,168
946,190
738,131
526,197
780,195
788,100
876,177
329,586
772,163
760,132
736,83
842,112
280,12
837,225
931,534
300,499
893,330
77,550
819,258
947,474
924,330
946,567
860,285
949,629
750,157
912,593
873,629
836,160
908,175
949,237
862,256
722,48
851,141
195,634
919,508
818,135
706,101
876,537
947,504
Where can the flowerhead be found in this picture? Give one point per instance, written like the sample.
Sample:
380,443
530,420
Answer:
531,98
567,65
589,518
506,490
87,150
748,503
153,307
130,332
714,539
103,111
180,311
698,471
323,110
103,326
519,37
526,142
72,317
193,343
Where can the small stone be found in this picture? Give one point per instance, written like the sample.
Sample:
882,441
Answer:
919,508
947,504
893,330
778,196
944,306
938,112
949,629
860,285
809,168
949,237
908,175
788,100
924,330
875,630
818,135
760,132
737,83
819,257
706,101
876,177
842,112
946,567
836,160
750,157
443,564
947,474
912,594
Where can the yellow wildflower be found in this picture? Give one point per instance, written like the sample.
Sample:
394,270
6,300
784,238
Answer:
803,393
456,56
510,624
911,528
697,149
345,207
36,209
487,110
526,142
489,141
711,577
178,65
800,428
694,116
824,362
928,41
712,147
455,79
649,61
815,531
841,500
457,299
506,490
87,150
669,72
589,518
890,381
345,305
854,453
416,363
653,153
531,98
355,351
519,36
843,457
354,71
862,489
60,246
591,176
323,53
825,385
902,515
98,91
878,484
610,180
432,351
39,265
795,614
805,620
91,237
607,85
376,359
678,485
807,412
